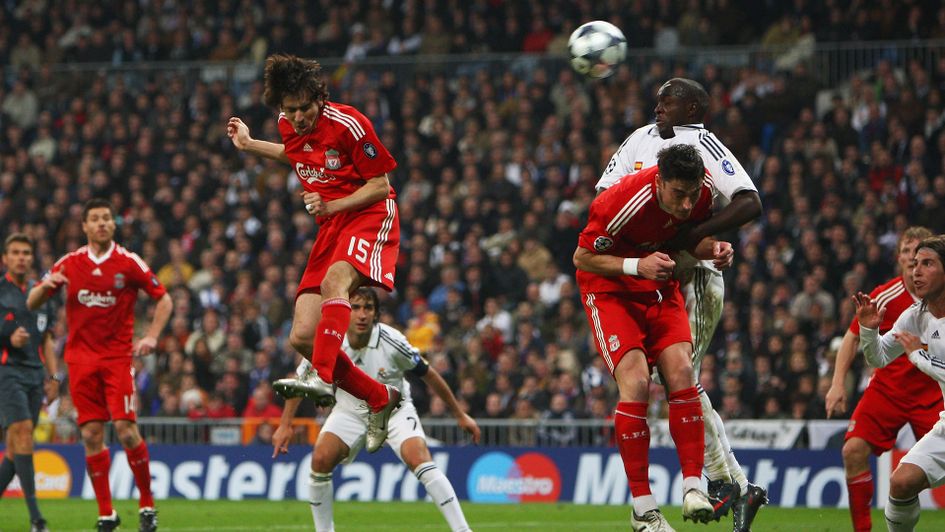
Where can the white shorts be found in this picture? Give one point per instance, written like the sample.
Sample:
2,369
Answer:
351,428
928,454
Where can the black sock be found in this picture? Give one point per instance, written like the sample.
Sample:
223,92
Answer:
6,473
24,470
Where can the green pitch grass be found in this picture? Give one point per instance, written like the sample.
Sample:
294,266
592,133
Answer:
182,515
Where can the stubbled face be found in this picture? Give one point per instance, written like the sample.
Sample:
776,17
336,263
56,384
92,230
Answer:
18,258
363,312
99,225
677,197
302,111
906,259
928,275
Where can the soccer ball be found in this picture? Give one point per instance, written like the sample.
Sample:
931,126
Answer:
596,48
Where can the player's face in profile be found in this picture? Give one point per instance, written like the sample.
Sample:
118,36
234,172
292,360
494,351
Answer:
928,275
677,197
670,111
906,258
301,110
362,315
18,258
99,226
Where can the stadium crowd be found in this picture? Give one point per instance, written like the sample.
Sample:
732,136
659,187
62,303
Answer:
496,172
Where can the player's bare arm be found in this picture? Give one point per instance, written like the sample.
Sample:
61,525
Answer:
836,398
283,434
52,368
374,190
238,132
464,420
657,266
744,207
721,253
162,313
41,293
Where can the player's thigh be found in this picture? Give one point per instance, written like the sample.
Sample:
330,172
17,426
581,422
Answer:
403,427
350,427
928,454
877,420
118,376
15,404
370,242
675,366
87,388
616,324
307,313
667,324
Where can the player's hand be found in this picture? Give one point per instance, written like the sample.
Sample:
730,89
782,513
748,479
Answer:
469,425
656,267
54,280
280,440
145,346
238,133
866,311
909,341
51,387
314,203
723,254
836,400
19,338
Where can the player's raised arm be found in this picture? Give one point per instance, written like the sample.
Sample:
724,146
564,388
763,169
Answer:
464,420
41,293
238,132
878,350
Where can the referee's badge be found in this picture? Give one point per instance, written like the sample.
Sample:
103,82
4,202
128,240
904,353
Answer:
603,243
42,321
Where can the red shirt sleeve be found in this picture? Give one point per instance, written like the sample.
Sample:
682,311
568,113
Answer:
370,157
143,278
595,237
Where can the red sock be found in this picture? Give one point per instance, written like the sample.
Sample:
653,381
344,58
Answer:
633,440
860,489
351,379
329,335
97,466
688,431
140,465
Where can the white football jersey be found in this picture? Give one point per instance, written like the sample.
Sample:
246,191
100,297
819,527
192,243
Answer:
639,150
385,358
881,350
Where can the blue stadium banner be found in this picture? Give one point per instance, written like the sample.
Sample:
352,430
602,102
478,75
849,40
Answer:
479,474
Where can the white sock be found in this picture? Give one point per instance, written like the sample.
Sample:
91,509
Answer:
441,491
304,367
644,504
902,515
691,483
716,468
321,498
733,468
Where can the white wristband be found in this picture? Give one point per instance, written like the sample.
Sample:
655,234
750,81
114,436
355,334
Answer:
630,266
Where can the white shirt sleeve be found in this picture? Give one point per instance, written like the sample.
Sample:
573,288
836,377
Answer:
928,363
881,350
728,175
622,161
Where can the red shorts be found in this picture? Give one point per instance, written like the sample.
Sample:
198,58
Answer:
104,391
368,239
651,321
878,418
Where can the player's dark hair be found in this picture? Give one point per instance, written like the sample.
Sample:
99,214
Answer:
97,203
689,91
371,296
680,162
289,75
18,237
915,232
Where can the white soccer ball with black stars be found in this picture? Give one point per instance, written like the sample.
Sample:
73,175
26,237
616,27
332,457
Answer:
597,47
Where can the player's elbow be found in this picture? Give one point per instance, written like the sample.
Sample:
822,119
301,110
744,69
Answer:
751,204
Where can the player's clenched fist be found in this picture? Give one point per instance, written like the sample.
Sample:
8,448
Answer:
314,203
723,254
657,267
238,132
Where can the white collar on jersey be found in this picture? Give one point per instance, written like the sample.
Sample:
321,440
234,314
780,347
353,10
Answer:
656,132
103,258
373,342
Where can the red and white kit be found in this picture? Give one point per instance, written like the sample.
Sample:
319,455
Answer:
899,393
628,312
100,302
335,159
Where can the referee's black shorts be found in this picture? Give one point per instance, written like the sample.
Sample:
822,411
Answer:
21,394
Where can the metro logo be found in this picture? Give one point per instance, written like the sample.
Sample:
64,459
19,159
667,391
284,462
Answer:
498,478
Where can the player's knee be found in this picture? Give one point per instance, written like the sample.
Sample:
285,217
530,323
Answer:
127,434
679,378
324,462
300,340
856,452
901,486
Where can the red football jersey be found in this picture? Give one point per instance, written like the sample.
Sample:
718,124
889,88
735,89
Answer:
900,378
100,301
339,154
626,221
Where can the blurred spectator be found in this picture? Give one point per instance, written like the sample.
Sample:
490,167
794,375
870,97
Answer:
260,404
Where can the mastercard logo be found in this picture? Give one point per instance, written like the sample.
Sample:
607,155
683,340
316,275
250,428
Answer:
53,477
